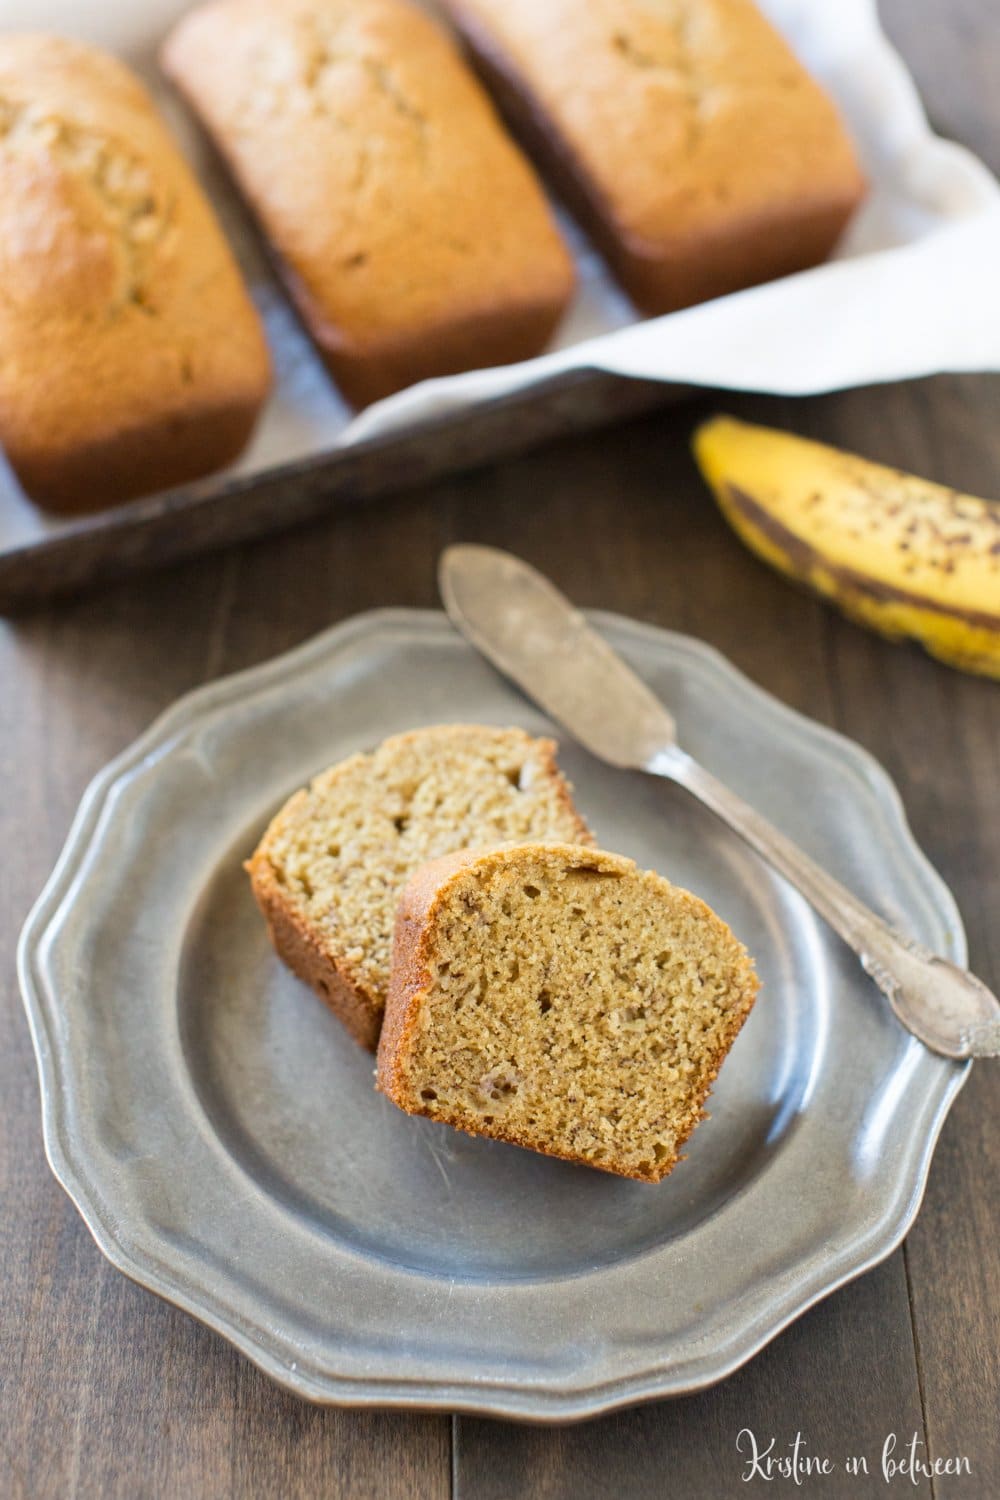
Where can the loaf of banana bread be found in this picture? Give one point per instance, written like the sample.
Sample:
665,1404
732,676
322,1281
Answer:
412,233
131,357
686,135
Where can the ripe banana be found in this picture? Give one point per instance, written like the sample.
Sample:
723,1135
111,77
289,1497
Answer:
906,557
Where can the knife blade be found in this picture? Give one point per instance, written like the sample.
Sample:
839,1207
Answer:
534,635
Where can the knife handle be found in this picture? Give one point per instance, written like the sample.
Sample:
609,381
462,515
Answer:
950,1010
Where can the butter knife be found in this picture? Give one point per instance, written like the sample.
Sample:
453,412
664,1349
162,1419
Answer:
532,633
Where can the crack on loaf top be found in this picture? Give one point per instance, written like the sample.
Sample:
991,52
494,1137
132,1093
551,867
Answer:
121,182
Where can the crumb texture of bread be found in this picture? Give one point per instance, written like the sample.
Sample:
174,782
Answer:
331,865
559,998
131,356
697,149
414,235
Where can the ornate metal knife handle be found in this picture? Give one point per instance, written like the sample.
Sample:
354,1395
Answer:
950,1010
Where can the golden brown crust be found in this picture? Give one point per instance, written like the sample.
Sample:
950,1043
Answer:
410,975
696,149
315,956
426,893
131,358
413,234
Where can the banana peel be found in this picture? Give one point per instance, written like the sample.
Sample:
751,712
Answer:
906,557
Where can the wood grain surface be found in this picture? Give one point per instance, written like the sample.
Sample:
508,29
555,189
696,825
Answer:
106,1391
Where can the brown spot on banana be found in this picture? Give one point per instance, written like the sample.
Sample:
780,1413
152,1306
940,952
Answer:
804,560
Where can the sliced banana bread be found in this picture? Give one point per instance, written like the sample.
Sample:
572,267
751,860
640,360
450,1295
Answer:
329,869
562,999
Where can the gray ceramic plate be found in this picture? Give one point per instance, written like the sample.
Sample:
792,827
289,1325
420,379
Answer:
222,1139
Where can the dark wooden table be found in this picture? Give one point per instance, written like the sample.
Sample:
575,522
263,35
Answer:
106,1391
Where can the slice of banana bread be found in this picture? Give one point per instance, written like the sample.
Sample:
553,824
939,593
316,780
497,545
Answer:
330,867
562,999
